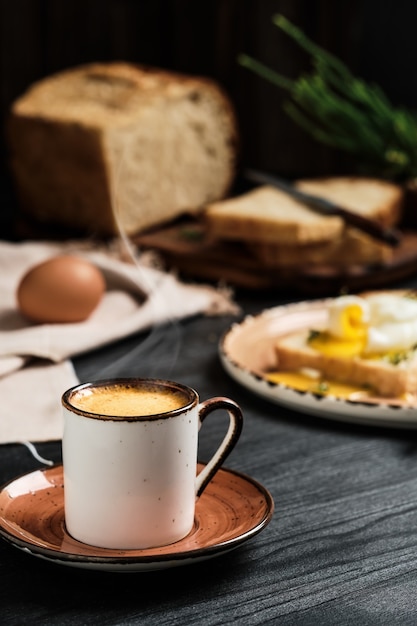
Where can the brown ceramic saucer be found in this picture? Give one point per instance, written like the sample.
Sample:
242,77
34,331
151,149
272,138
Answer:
232,509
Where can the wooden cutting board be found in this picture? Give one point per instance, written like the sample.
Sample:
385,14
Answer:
187,248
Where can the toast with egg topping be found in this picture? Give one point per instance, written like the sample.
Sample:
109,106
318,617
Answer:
369,341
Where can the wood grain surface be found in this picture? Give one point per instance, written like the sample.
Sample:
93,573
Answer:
340,549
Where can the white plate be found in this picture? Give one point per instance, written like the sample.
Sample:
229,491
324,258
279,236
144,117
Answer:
232,509
247,353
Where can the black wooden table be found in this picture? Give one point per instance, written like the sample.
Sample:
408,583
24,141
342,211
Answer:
341,547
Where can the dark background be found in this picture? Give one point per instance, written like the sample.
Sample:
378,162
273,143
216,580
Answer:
377,40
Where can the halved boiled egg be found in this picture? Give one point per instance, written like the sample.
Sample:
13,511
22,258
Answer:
393,323
374,325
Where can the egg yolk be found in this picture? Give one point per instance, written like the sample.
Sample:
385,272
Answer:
331,346
351,340
303,382
351,323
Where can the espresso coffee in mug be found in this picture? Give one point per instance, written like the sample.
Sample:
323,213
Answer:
130,460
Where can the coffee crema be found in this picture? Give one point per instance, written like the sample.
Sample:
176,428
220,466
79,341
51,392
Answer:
125,400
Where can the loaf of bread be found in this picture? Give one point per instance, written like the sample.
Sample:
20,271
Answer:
390,370
283,233
109,147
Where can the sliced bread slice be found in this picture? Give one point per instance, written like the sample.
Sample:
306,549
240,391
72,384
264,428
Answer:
266,214
373,198
269,215
386,378
352,248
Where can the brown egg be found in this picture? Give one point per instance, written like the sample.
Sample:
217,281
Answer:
62,289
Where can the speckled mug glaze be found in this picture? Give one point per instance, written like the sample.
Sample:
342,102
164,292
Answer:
130,481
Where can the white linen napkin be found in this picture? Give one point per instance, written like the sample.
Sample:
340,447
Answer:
35,365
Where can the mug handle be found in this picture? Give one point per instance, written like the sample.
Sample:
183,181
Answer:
229,440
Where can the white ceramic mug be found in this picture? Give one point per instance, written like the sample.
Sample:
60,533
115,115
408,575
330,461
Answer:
130,457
